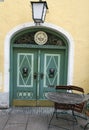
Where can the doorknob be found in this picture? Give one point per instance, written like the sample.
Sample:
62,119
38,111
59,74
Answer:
35,75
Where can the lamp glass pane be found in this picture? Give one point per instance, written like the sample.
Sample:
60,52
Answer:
44,13
37,9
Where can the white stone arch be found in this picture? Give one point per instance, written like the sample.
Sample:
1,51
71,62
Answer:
21,27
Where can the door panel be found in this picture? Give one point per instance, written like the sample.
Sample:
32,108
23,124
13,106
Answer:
36,72
24,68
51,63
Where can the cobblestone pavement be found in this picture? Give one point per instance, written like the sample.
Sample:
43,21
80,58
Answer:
36,118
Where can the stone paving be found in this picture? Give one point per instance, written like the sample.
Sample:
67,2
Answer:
36,118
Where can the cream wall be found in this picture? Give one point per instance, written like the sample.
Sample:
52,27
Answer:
72,15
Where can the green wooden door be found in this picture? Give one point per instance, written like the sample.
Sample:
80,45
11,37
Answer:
36,72
24,90
51,63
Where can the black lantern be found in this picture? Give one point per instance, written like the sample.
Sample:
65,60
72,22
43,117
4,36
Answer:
39,11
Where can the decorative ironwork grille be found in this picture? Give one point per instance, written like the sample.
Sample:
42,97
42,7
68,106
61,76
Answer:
28,38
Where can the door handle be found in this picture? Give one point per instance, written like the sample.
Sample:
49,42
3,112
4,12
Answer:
41,75
35,75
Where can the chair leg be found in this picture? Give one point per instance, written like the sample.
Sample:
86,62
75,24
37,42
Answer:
56,113
86,126
74,116
51,119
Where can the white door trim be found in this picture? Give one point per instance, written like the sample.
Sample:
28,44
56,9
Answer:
24,26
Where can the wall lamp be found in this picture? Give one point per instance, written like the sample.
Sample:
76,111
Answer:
39,10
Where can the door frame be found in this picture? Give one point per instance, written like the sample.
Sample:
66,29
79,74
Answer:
16,44
8,51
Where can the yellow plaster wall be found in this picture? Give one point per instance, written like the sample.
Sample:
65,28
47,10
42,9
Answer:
72,15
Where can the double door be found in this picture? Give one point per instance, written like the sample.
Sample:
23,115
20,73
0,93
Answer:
35,73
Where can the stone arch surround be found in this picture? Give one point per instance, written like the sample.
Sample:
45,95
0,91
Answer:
21,27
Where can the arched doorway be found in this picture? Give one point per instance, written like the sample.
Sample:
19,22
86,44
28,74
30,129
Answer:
39,62
8,51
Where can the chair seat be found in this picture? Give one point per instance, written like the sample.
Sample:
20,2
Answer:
64,106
